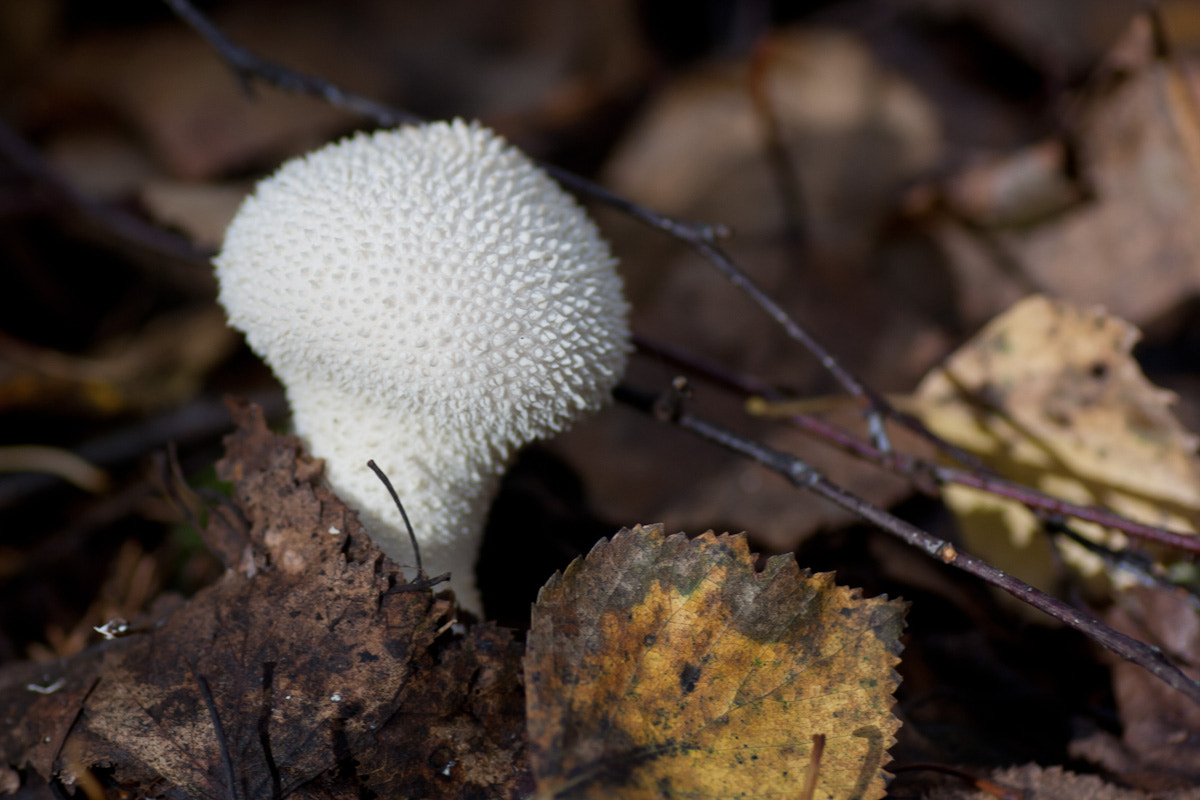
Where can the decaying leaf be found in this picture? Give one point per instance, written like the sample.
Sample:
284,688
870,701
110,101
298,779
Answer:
299,664
663,667
1049,395
1134,245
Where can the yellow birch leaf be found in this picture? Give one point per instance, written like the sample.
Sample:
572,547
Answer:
1048,394
663,667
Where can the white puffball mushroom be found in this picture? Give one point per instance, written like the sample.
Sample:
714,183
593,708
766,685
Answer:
432,300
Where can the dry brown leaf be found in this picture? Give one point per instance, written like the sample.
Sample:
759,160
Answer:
1135,246
307,657
856,130
1025,188
1049,395
459,731
664,667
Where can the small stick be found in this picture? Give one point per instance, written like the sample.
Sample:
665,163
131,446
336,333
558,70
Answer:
175,257
412,536
247,66
784,171
266,701
911,466
222,743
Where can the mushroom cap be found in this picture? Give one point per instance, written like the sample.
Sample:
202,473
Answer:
435,271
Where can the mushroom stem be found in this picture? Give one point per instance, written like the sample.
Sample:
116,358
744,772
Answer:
446,482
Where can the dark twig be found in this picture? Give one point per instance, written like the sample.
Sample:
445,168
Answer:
65,731
684,230
266,703
1053,505
710,371
878,406
176,487
783,170
420,584
412,536
802,475
247,66
1131,561
222,743
912,466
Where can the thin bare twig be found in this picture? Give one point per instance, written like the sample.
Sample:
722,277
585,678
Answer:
914,467
412,536
800,474
210,703
248,67
783,169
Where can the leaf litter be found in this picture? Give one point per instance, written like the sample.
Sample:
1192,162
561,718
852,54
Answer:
1140,139
312,669
293,664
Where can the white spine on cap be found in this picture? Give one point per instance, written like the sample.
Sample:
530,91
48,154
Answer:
432,300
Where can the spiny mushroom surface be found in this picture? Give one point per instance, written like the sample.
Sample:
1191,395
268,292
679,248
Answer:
431,300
